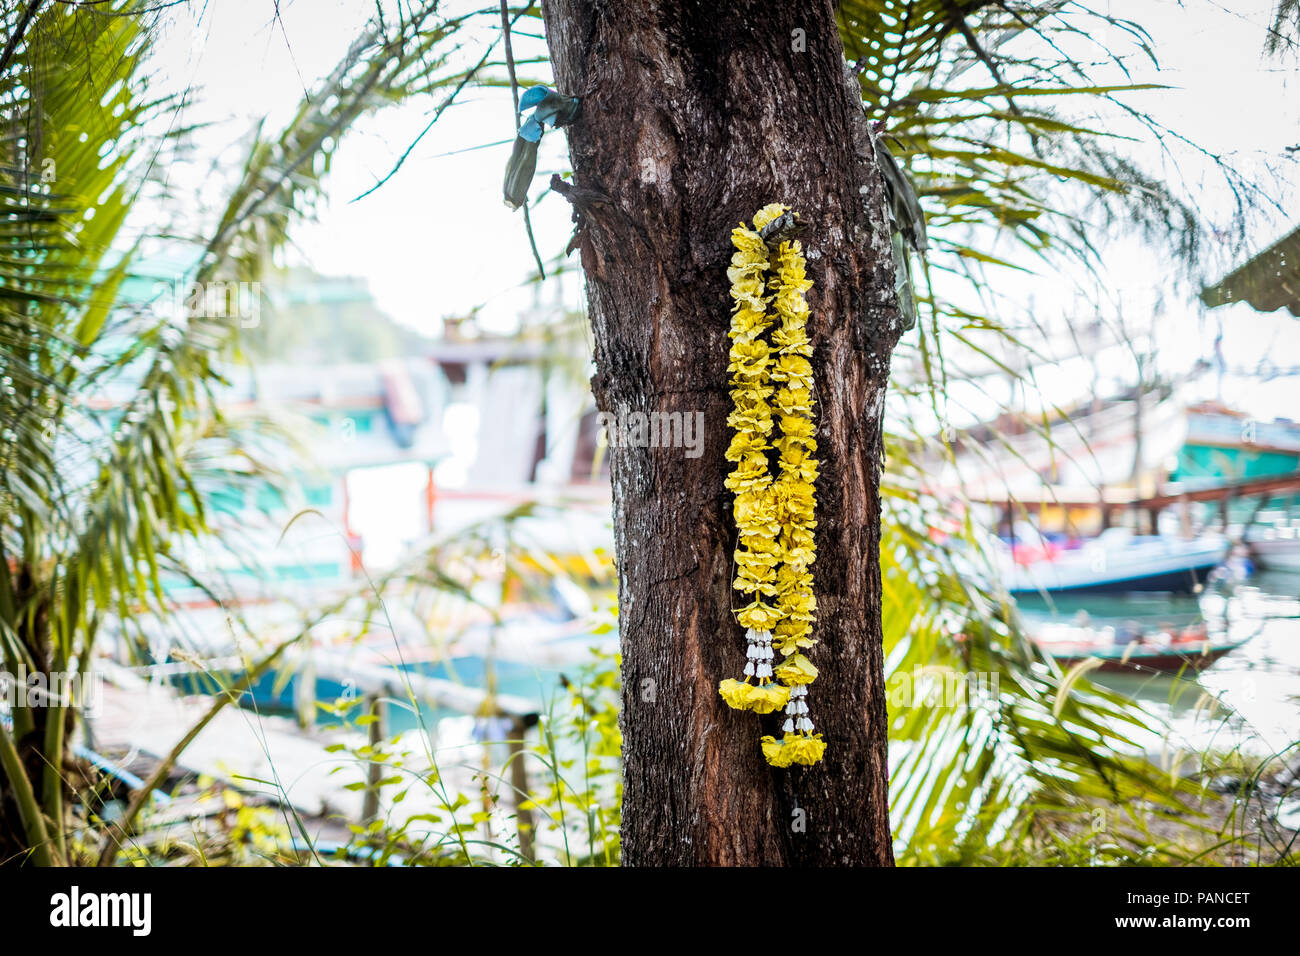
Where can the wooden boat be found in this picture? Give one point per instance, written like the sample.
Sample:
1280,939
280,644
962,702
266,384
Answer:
1115,562
1275,550
1128,647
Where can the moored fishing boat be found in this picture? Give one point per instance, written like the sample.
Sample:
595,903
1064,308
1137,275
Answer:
1275,549
1131,647
1116,561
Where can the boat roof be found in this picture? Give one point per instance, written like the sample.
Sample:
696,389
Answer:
1268,281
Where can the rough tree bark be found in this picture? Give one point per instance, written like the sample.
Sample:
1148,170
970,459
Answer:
695,113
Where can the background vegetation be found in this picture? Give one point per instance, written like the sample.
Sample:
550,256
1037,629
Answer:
981,102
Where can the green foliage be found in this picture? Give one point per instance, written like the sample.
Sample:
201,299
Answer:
579,749
110,440
568,815
543,794
92,511
981,102
1284,37
86,511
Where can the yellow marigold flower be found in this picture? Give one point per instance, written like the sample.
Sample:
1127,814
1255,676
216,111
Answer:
769,212
738,482
794,642
753,462
794,369
789,581
801,520
790,279
760,698
751,257
750,260
750,474
746,265
759,616
735,693
793,628
774,752
748,242
767,698
799,604
792,401
756,553
790,306
792,342
794,502
752,393
805,445
793,579
756,511
802,443
791,309
788,301
752,416
796,669
744,444
762,575
790,266
748,467
745,583
795,512
796,617
797,426
756,560
758,533
747,325
750,359
759,538
801,537
749,295
800,557
804,749
796,465
794,625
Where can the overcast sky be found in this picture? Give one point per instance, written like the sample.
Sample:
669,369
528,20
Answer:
436,240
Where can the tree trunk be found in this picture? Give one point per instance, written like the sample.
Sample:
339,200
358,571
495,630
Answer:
695,114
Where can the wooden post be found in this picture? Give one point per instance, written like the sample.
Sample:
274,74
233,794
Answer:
524,822
374,770
304,694
430,496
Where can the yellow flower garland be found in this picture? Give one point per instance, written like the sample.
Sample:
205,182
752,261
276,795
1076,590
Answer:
770,371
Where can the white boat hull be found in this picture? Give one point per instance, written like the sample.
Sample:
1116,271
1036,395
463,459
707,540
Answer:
1120,565
1277,554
